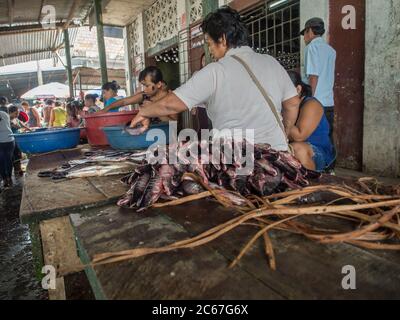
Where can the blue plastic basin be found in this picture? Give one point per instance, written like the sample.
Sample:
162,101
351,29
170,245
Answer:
48,141
121,140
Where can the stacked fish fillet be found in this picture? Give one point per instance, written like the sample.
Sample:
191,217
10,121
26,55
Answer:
271,171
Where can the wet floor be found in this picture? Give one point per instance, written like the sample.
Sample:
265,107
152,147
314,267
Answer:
17,275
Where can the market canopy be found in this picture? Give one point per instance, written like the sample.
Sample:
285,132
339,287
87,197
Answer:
23,37
52,90
92,77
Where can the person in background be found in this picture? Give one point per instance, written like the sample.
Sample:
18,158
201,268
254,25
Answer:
16,124
310,136
3,104
154,89
90,104
49,106
73,115
33,114
38,106
7,145
110,94
319,66
58,116
153,85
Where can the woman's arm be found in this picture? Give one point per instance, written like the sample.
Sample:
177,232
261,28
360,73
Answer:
23,125
168,106
169,118
290,112
310,117
137,98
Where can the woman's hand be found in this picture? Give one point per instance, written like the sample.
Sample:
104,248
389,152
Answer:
139,119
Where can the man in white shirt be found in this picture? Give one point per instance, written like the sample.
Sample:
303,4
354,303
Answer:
232,98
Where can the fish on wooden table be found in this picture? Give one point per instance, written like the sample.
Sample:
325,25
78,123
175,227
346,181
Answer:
273,171
133,131
191,187
152,192
101,171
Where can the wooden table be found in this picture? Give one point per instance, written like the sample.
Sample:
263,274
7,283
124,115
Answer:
305,269
46,203
44,198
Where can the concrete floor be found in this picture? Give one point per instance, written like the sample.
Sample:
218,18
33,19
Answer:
355,174
18,280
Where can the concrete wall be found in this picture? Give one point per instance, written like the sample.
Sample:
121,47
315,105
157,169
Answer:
382,86
86,41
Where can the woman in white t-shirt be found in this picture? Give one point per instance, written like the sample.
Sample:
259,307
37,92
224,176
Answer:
7,145
234,102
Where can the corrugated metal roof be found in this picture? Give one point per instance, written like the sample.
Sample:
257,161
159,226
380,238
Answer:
23,11
23,46
39,45
22,35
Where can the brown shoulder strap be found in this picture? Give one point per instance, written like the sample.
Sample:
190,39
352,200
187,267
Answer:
266,96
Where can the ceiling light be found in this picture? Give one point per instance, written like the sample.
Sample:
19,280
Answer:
276,3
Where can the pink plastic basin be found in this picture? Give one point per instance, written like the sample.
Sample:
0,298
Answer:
95,123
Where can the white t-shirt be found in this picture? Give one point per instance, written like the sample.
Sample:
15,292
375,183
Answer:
5,128
233,100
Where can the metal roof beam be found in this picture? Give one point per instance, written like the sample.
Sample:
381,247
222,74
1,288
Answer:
30,28
25,53
11,4
40,11
72,10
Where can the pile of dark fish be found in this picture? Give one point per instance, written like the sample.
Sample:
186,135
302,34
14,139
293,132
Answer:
272,172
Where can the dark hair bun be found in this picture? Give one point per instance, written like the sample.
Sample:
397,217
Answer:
116,85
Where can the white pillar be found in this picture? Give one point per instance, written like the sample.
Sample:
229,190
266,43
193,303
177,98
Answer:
128,62
39,74
139,48
183,13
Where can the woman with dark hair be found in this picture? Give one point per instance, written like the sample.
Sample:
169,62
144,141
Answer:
58,116
231,87
310,136
154,88
47,110
110,94
33,114
90,104
73,114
